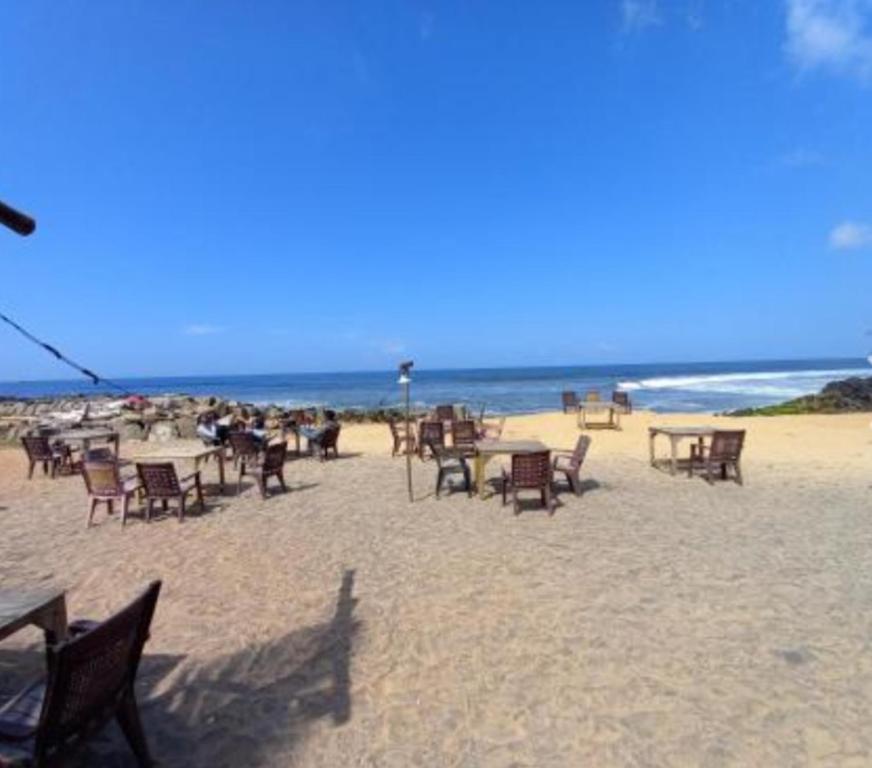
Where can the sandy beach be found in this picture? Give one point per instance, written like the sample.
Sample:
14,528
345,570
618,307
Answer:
653,621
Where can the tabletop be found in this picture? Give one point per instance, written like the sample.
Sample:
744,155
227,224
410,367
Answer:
180,449
17,605
87,434
510,446
682,431
599,405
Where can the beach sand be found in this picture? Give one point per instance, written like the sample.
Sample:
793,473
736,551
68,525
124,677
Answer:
654,621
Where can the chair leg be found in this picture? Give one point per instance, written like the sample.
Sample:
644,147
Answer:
468,480
438,482
739,474
261,481
149,507
91,512
281,477
125,504
549,499
182,506
131,726
30,471
574,482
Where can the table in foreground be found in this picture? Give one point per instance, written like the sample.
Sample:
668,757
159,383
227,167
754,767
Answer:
184,450
44,608
599,406
485,450
86,436
676,435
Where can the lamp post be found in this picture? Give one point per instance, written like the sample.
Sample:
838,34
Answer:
404,381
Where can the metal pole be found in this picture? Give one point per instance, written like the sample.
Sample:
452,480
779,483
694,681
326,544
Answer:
408,444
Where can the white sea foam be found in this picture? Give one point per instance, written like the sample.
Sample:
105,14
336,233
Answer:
760,383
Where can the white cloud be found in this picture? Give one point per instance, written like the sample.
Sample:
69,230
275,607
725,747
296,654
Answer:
201,329
850,235
801,158
639,14
833,35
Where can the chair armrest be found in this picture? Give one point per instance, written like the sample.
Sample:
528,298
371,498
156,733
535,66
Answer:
192,476
81,626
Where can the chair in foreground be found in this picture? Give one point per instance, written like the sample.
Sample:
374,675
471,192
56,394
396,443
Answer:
570,401
273,465
530,472
161,483
722,453
404,441
55,458
450,461
90,680
105,485
245,447
569,463
623,399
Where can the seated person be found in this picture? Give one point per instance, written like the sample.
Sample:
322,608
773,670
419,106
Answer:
258,428
314,434
210,430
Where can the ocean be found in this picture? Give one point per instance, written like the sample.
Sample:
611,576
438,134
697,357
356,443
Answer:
686,387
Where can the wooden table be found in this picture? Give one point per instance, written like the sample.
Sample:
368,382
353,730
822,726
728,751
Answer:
485,450
676,435
599,406
45,608
184,450
86,436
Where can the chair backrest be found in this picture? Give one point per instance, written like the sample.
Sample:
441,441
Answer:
621,398
463,433
531,470
330,436
38,447
581,448
244,444
569,399
89,675
727,445
102,477
274,457
445,412
592,396
432,432
159,480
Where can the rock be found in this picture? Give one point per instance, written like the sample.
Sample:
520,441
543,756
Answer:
844,396
163,431
186,427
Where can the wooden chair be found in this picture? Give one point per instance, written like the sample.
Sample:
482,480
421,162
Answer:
622,399
723,452
530,472
450,461
273,465
401,437
245,448
464,435
105,484
491,430
569,463
161,483
570,401
444,413
54,457
430,433
328,441
90,681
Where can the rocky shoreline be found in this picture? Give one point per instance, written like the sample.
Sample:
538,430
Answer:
157,418
852,395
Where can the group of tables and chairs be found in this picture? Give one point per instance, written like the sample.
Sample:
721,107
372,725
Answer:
91,670
593,405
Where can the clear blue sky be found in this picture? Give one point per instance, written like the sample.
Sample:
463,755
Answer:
272,186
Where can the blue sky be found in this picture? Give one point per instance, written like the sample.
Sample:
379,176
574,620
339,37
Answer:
266,187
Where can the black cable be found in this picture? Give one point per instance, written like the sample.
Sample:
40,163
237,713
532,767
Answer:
63,358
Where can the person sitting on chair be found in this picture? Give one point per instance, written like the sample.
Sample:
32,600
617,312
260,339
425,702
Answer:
315,434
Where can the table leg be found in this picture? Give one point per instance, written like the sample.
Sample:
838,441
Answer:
52,620
673,446
651,436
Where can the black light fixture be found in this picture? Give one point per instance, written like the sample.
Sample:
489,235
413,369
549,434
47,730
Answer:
16,220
